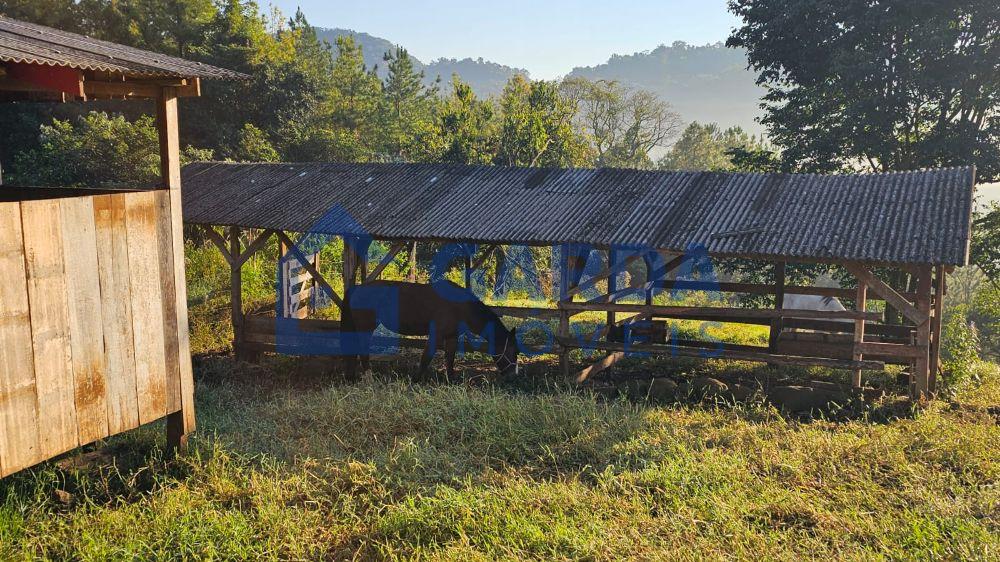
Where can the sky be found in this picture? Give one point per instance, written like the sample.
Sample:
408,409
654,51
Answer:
548,38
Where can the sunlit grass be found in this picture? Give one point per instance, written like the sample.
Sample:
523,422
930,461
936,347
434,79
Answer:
295,465
292,463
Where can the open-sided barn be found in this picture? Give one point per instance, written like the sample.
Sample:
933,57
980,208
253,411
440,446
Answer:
915,222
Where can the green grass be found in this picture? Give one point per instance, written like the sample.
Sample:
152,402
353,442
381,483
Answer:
291,463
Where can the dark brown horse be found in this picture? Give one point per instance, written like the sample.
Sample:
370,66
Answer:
442,311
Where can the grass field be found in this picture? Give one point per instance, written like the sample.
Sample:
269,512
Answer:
291,463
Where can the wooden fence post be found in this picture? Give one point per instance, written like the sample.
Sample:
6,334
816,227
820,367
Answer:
779,303
922,367
940,289
861,302
236,293
182,422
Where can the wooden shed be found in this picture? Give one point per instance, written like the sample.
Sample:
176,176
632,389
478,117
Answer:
93,309
914,223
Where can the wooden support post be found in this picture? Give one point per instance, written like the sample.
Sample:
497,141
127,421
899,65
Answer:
649,280
180,423
412,278
940,286
779,303
612,287
922,367
348,266
861,302
362,263
566,283
468,270
236,292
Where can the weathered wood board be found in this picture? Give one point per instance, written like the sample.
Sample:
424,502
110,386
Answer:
147,312
116,309
93,327
49,313
19,447
86,329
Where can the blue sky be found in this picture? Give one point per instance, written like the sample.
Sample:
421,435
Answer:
548,38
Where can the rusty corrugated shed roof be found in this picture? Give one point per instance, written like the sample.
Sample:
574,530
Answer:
29,43
920,217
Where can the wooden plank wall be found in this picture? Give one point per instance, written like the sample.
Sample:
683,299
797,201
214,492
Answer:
85,350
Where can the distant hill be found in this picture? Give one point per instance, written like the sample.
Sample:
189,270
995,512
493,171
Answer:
707,84
486,78
703,83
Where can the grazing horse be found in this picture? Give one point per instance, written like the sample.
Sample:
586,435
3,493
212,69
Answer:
442,311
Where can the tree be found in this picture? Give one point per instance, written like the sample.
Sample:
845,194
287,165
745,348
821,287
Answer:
985,251
407,110
97,149
468,127
888,85
708,147
536,127
253,146
623,124
354,101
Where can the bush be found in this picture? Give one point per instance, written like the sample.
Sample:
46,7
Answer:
960,347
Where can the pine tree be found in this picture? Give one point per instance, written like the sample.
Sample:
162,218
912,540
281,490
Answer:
407,110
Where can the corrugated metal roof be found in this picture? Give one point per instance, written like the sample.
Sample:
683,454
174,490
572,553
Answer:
920,217
24,42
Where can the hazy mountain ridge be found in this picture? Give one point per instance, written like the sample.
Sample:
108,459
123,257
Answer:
708,83
486,78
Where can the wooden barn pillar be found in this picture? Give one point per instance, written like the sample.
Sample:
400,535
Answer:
412,277
779,303
468,267
861,303
564,286
940,289
236,293
922,366
649,279
612,288
181,421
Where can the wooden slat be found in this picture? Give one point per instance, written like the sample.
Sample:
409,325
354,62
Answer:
116,312
19,446
888,349
604,363
312,270
86,324
736,355
171,332
49,312
525,312
719,313
147,310
759,289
